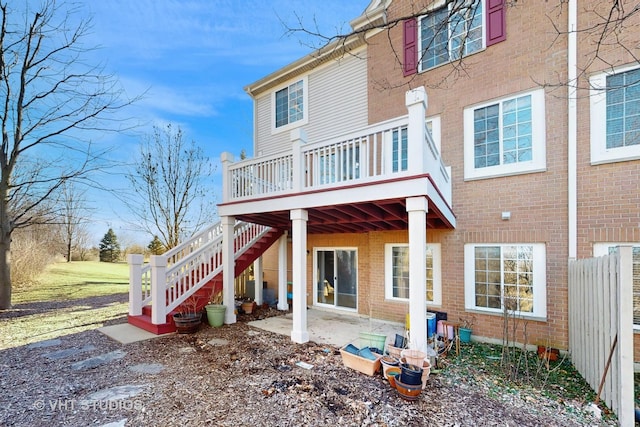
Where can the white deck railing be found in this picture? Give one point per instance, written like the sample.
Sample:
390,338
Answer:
171,278
394,148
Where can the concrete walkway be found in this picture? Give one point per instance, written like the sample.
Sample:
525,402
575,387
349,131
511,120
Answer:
331,327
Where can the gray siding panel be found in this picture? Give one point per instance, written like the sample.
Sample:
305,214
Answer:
337,100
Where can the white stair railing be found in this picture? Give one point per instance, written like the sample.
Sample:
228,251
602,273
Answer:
171,278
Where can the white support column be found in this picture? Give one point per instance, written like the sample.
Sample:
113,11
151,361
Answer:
299,218
417,210
282,273
135,284
416,102
257,275
228,268
158,289
624,366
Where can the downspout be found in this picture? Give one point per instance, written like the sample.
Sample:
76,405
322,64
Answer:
572,126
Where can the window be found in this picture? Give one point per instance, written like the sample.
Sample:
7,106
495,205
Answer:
601,249
510,276
400,144
289,106
397,272
399,150
450,33
615,116
505,137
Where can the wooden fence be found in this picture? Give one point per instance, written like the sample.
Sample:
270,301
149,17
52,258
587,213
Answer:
601,313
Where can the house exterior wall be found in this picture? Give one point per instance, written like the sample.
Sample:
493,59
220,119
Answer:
530,55
533,56
337,94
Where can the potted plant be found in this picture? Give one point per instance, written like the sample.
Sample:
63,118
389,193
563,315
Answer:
188,318
466,325
215,310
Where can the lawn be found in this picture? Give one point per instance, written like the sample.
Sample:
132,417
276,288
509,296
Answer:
67,298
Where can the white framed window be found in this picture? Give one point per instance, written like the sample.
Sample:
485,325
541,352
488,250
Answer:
289,106
512,276
505,137
601,249
450,32
398,152
396,259
615,115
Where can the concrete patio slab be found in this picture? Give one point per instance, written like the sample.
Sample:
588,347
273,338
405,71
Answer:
125,333
329,327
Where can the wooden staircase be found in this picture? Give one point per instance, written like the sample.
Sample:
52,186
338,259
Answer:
203,294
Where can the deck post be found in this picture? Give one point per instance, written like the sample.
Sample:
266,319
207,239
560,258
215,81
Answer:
417,210
228,268
298,137
158,289
299,218
416,102
282,272
257,282
135,284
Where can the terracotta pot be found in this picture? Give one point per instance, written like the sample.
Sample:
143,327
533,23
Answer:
392,374
247,307
414,357
426,370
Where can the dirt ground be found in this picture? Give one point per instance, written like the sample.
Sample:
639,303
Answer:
237,375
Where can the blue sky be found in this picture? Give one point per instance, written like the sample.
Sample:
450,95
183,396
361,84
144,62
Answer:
193,59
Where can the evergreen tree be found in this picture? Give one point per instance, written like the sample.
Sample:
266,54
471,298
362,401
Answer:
156,247
109,247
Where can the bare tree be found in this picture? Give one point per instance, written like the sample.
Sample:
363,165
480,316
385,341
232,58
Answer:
73,218
51,100
170,178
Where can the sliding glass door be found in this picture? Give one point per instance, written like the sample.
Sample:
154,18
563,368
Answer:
336,278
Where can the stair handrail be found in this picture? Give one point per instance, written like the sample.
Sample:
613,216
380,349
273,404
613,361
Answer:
205,263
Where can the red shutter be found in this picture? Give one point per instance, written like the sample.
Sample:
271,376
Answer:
410,45
496,21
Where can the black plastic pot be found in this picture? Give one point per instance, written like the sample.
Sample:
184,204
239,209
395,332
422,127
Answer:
411,374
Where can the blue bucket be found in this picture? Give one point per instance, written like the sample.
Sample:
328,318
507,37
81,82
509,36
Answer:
431,324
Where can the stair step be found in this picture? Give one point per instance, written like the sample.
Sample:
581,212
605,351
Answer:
144,322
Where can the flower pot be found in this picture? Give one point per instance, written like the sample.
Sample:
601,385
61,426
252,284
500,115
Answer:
369,339
392,374
247,307
187,323
465,335
414,357
408,391
426,370
215,314
388,362
411,374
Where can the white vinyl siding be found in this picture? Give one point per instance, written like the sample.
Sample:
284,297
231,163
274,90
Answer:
337,104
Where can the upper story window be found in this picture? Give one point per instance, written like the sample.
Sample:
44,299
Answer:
506,276
615,116
451,32
505,137
290,105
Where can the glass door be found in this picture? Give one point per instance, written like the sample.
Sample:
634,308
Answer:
336,277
